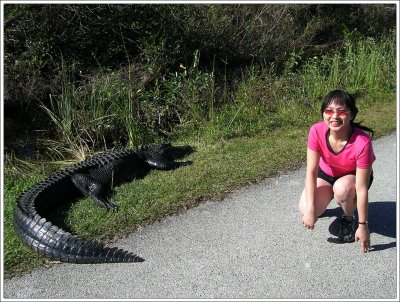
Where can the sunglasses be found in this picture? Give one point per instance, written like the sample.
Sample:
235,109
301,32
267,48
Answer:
341,113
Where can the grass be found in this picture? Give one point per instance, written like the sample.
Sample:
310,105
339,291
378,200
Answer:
259,132
112,108
218,168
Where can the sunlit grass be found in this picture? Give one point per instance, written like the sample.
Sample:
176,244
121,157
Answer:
218,168
261,132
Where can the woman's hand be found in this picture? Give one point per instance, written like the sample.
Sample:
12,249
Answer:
362,235
309,219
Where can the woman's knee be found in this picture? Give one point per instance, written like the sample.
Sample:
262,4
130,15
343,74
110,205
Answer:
344,188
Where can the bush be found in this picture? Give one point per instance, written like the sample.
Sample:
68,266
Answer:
136,53
160,37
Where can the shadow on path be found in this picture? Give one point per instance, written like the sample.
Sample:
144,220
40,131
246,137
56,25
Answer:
382,221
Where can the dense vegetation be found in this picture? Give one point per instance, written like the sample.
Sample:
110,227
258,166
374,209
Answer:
106,75
242,83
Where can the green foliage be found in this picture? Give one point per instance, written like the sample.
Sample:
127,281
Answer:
239,82
19,176
91,116
159,37
111,108
363,65
219,167
263,102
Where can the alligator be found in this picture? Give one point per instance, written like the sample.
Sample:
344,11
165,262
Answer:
95,178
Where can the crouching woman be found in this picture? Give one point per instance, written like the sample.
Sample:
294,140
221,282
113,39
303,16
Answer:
339,166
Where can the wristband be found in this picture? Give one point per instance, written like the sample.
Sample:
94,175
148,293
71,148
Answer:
364,222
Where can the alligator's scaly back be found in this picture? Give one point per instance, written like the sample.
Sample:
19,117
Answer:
52,242
93,178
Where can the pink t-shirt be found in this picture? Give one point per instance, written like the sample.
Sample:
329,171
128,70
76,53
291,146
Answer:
358,152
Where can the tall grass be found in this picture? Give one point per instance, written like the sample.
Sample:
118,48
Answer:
250,132
108,109
264,101
99,114
114,108
362,66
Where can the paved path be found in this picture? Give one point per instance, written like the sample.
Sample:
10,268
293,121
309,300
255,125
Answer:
250,245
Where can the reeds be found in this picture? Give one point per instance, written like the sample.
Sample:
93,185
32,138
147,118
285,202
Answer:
109,110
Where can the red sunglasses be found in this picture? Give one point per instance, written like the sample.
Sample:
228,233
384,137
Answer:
341,113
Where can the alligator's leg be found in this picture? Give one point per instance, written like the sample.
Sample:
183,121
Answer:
93,189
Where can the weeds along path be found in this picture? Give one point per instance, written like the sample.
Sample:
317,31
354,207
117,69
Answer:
218,168
250,245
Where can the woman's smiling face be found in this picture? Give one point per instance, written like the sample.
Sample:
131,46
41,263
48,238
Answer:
337,116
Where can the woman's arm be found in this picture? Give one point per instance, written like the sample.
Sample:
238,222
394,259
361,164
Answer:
362,182
310,217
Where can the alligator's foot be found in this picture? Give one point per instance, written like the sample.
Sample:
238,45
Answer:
104,203
93,189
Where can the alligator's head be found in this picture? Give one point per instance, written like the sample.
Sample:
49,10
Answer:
166,152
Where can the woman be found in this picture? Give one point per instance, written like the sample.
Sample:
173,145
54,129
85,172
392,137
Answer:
339,166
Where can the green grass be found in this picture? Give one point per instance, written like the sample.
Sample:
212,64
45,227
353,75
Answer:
258,131
114,108
17,258
218,168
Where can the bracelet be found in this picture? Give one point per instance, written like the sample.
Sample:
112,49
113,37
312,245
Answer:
365,222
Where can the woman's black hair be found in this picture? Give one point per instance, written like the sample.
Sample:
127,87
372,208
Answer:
344,98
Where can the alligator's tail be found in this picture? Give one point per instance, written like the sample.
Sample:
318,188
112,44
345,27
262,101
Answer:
52,242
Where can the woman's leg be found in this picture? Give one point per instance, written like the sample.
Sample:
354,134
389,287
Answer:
345,195
323,196
344,191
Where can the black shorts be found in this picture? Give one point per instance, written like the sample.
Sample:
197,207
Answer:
331,179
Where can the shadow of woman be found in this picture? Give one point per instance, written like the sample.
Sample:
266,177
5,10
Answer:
382,221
